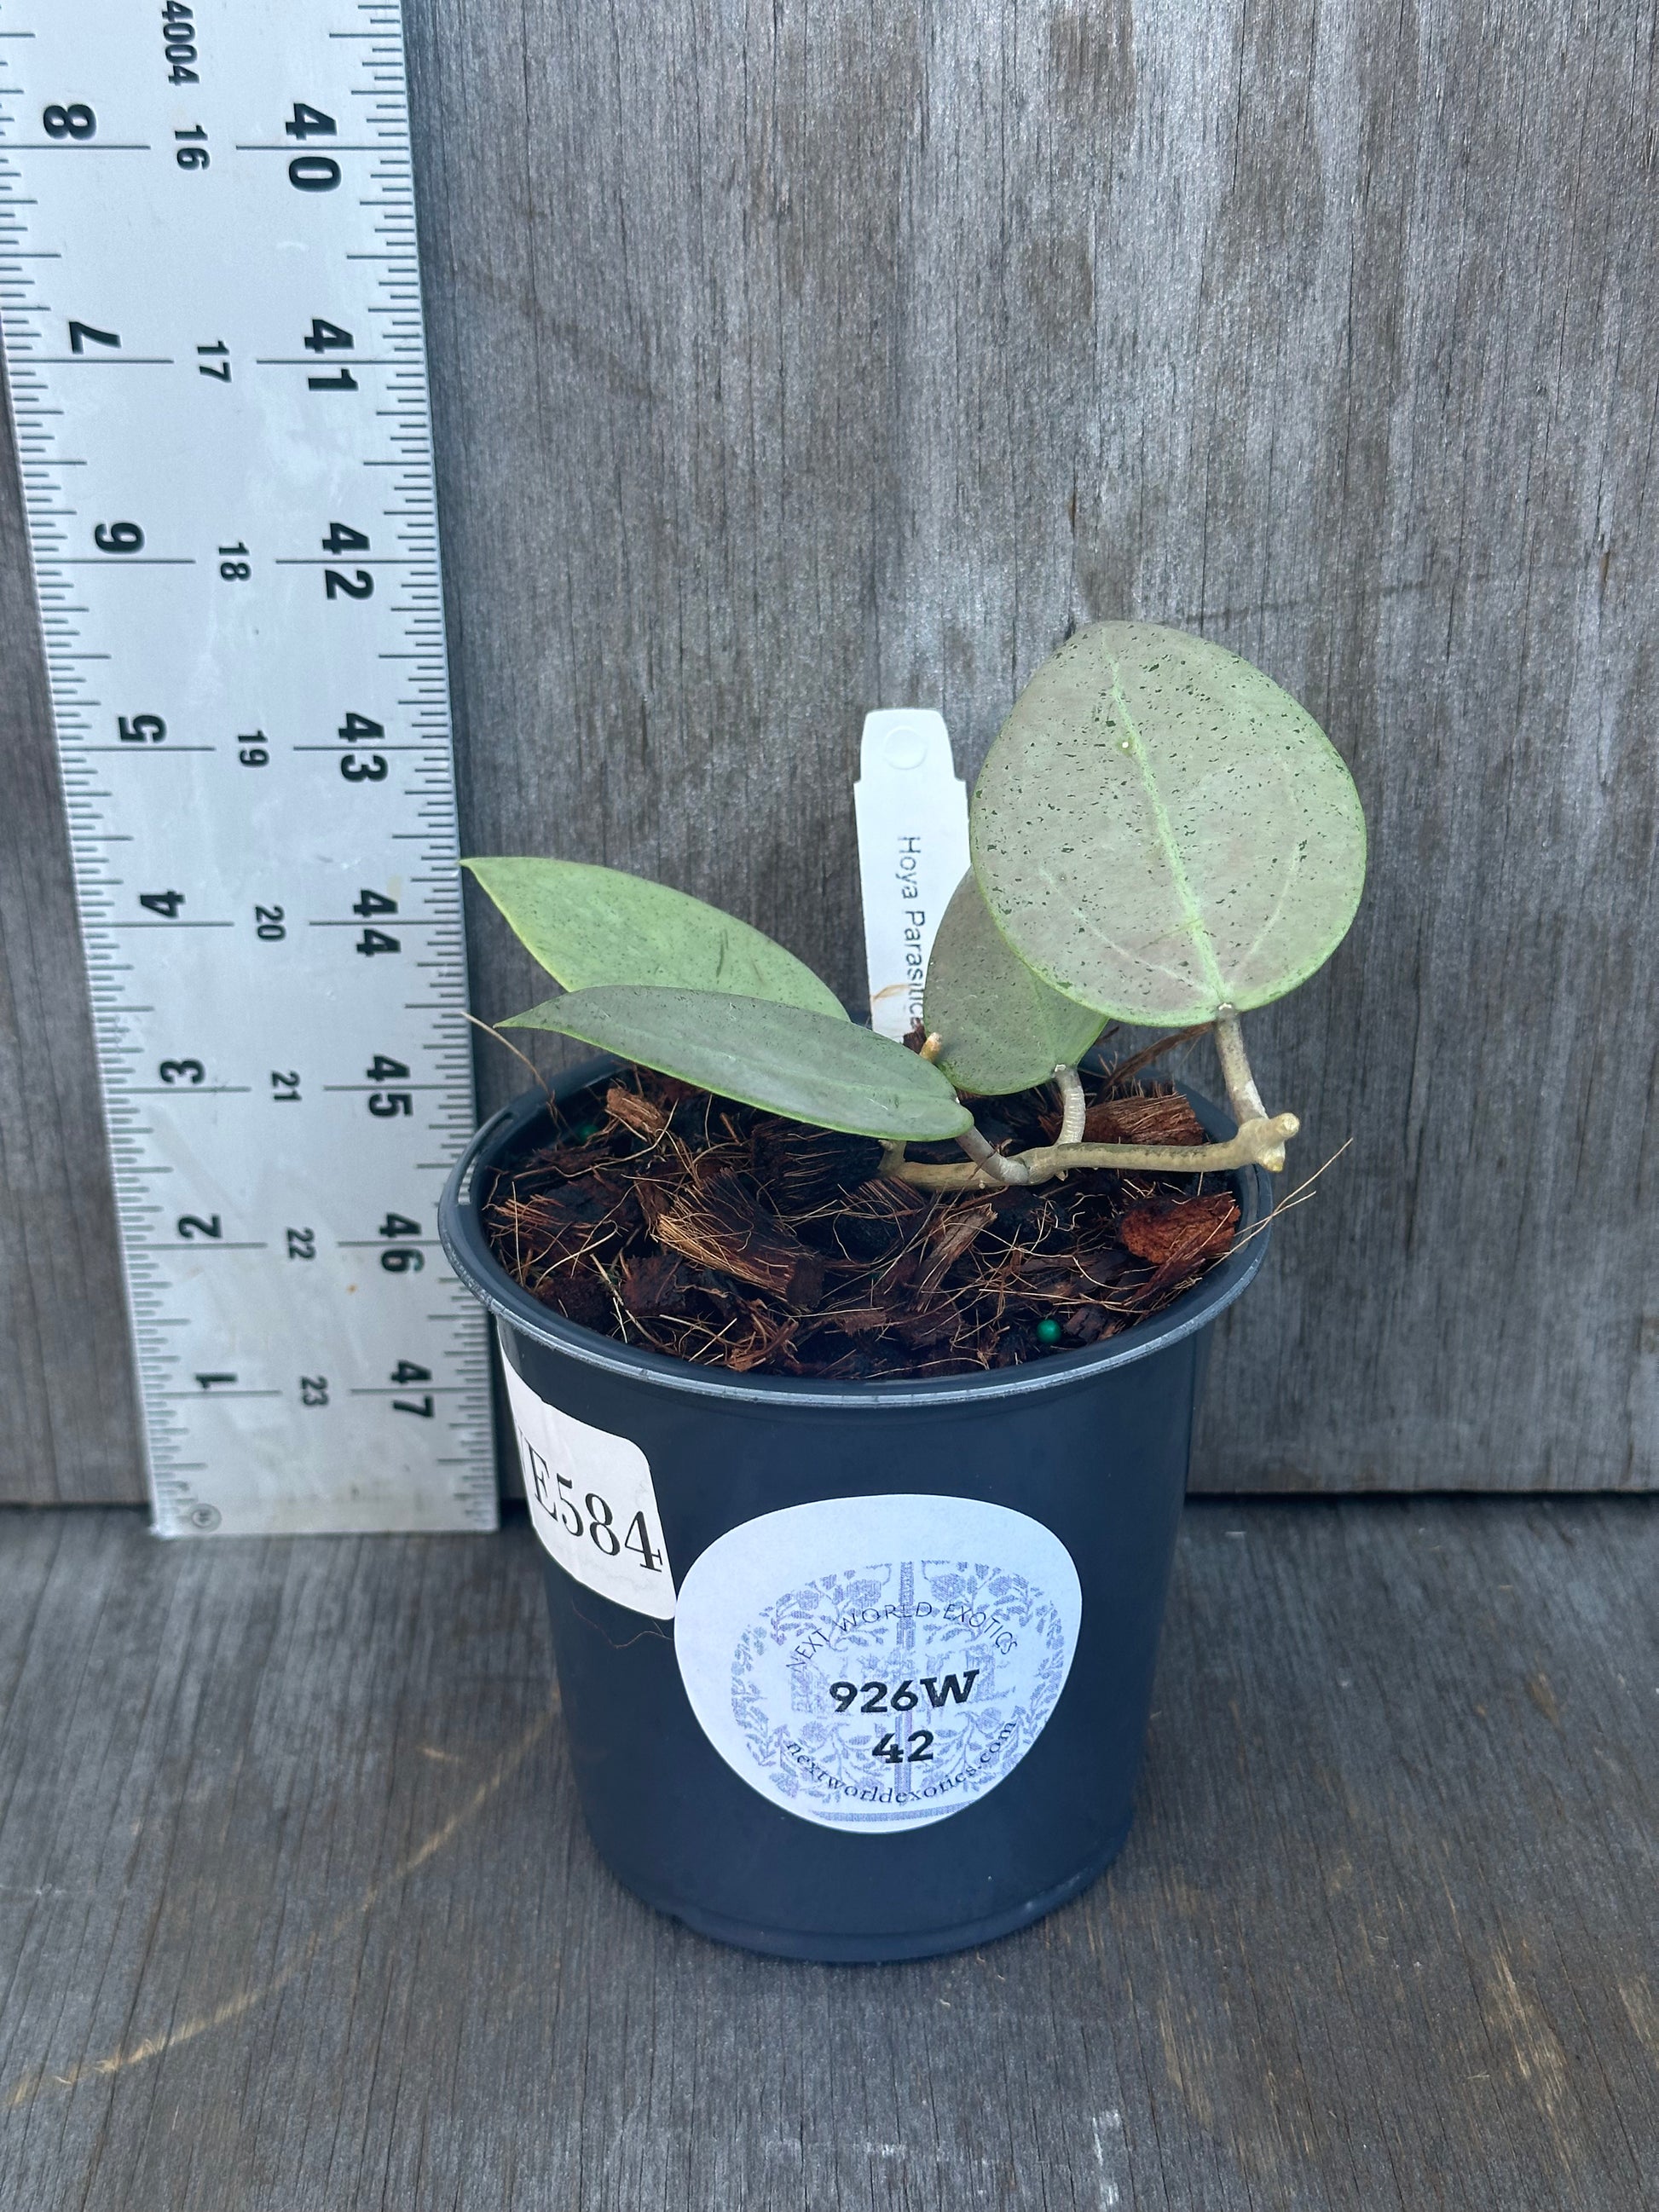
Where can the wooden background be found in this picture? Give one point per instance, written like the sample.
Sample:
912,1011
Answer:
791,361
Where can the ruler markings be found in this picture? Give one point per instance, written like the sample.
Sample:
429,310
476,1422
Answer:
288,1424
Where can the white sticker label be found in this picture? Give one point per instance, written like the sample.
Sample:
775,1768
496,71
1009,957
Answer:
592,1503
877,1663
912,811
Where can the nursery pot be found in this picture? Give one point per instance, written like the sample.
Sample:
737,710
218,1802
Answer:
849,1670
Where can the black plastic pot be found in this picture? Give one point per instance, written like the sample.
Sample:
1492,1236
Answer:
850,1671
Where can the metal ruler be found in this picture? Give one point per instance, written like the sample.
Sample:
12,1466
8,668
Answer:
212,320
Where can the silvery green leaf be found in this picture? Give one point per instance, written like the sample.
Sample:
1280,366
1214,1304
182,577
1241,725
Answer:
1000,1027
809,1067
589,925
1160,830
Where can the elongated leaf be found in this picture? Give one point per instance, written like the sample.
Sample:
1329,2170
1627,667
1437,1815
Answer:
1000,1027
588,924
1160,830
808,1066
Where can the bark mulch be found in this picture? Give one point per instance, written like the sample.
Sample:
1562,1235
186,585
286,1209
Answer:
665,1217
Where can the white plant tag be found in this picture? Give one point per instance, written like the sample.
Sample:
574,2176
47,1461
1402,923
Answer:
877,1663
912,810
592,1503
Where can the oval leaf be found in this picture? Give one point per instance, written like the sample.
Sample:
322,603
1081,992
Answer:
1160,830
588,924
803,1065
1000,1027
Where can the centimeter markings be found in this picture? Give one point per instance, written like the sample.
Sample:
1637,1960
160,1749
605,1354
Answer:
209,295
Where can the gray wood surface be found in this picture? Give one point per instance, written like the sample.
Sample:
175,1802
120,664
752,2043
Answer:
793,361
296,1914
69,1404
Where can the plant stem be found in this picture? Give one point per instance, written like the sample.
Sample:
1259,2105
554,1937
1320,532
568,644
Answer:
1242,1094
1254,1145
1260,1142
1072,1104
987,1162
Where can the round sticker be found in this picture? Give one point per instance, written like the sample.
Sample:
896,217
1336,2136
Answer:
876,1663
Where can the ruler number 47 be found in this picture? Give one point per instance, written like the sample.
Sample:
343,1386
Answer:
405,1372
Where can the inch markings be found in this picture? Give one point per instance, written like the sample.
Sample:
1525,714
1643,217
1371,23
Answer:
236,564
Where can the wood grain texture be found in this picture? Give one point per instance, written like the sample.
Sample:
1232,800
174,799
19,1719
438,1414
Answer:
789,363
69,1406
296,1915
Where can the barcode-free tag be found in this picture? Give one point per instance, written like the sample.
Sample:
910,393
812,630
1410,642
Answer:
592,1503
875,1664
912,810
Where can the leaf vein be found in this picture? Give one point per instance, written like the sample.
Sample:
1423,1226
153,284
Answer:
1195,923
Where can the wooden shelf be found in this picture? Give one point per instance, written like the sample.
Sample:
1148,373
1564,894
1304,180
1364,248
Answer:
295,1911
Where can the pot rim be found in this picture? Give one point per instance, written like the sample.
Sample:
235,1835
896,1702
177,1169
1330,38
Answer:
460,1230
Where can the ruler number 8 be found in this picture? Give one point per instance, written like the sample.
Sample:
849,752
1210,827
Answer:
74,121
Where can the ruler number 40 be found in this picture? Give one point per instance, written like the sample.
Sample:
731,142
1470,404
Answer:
312,173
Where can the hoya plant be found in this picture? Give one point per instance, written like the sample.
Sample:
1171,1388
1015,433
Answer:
1160,834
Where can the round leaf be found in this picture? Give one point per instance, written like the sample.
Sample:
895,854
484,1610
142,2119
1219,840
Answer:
1000,1027
1160,830
804,1065
588,924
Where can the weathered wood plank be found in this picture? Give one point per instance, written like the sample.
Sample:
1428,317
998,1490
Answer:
295,1911
68,1411
790,363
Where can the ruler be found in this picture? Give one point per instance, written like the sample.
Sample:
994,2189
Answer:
212,322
